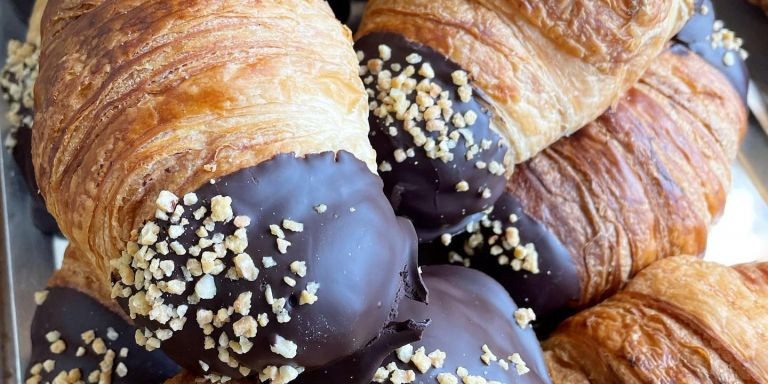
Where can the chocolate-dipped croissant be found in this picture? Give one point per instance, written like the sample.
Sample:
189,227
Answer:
461,90
78,335
642,182
476,334
211,160
682,320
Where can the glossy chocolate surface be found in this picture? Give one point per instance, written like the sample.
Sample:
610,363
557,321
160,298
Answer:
421,188
550,293
73,313
697,35
468,309
361,255
362,365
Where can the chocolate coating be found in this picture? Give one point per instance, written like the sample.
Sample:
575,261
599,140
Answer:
22,133
22,153
752,27
467,310
72,313
362,365
550,293
421,188
696,36
363,257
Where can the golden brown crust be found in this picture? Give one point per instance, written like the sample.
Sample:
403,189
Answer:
77,273
645,180
756,274
550,67
561,371
139,96
680,320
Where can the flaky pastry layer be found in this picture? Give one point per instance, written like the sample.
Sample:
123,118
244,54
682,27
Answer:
681,320
139,96
645,180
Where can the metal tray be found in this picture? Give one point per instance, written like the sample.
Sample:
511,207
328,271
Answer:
28,257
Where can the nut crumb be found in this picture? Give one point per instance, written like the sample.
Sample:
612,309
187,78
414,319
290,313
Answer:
282,245
40,297
524,316
293,226
284,347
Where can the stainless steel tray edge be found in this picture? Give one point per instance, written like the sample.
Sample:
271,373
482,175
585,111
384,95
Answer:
10,363
24,273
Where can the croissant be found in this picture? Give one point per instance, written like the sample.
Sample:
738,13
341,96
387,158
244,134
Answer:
682,320
17,80
476,334
642,182
79,336
461,90
211,161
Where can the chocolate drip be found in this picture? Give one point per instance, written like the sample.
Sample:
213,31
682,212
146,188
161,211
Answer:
468,310
421,188
550,293
696,35
73,313
360,254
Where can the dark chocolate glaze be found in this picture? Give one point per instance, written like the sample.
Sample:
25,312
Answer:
22,153
424,189
468,309
361,366
551,293
695,36
72,313
751,25
363,257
